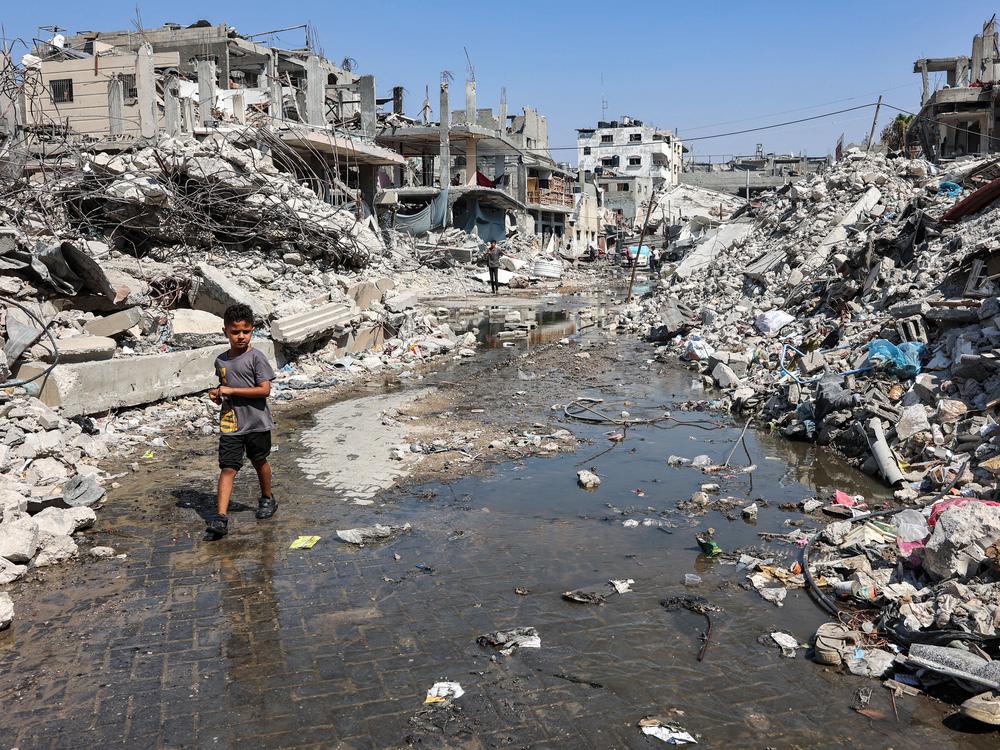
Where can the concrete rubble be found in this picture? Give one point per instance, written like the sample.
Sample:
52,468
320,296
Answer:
110,318
853,314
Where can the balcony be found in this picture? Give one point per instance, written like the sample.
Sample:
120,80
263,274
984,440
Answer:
550,197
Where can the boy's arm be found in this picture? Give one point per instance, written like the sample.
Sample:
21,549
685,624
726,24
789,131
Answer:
261,390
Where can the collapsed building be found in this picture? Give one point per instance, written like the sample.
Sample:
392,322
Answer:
960,117
153,178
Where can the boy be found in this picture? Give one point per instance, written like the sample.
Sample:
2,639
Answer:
245,422
493,262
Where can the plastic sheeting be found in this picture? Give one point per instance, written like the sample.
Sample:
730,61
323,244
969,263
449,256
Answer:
486,221
431,216
902,360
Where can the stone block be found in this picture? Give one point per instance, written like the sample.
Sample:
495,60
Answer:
18,539
195,328
400,301
112,325
365,338
94,387
385,284
724,376
912,419
312,324
960,539
365,294
82,349
812,362
213,291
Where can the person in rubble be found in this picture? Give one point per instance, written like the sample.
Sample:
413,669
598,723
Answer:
492,254
245,421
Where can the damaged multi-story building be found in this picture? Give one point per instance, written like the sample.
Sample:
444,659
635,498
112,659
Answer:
108,89
960,117
629,160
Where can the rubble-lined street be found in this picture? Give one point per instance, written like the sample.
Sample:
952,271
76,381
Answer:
651,447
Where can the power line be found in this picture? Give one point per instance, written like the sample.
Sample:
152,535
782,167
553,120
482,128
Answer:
718,135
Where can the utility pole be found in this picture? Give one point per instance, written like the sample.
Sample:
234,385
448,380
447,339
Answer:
748,187
638,250
871,135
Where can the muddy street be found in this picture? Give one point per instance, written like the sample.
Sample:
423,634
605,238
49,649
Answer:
186,643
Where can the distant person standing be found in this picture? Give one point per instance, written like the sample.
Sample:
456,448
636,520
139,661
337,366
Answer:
654,261
493,263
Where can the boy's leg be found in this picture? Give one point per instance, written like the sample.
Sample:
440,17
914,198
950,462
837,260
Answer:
230,460
263,469
258,449
224,489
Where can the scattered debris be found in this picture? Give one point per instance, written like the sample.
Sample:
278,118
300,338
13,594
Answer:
669,731
377,533
509,641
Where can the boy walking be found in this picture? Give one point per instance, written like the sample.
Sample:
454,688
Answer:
493,263
245,422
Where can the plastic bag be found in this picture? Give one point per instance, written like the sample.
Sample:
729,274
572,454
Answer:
902,360
951,189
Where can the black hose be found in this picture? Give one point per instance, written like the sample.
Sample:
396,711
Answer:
823,599
46,330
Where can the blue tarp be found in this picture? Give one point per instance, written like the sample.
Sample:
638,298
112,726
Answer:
487,221
431,216
902,360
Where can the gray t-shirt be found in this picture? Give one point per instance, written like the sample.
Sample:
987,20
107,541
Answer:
493,257
239,414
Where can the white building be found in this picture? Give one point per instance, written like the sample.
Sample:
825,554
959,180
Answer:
630,148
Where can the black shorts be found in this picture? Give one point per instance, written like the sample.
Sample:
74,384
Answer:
256,446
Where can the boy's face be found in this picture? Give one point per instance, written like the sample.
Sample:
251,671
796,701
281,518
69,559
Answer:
239,332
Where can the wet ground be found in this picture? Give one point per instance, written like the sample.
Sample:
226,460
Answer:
245,642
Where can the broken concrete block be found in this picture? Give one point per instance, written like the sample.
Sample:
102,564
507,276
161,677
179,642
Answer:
386,284
812,362
93,387
195,328
55,549
400,301
587,479
82,349
724,376
926,386
82,491
365,294
18,539
54,522
10,572
960,538
312,324
6,610
213,291
912,419
739,363
11,502
112,325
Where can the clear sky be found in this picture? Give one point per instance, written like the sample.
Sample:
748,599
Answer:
700,67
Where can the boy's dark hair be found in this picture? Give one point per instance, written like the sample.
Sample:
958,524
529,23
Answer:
238,314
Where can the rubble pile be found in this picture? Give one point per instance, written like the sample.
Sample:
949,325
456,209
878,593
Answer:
852,316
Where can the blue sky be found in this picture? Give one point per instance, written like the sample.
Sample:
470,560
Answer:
700,67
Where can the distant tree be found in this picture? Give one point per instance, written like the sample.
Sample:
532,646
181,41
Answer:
892,134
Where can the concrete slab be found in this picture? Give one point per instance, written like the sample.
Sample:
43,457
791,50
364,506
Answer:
312,324
94,387
112,325
196,328
83,349
213,291
711,246
838,235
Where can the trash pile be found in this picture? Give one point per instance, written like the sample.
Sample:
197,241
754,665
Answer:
855,313
919,598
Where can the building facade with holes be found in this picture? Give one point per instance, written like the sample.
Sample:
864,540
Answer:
628,147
